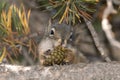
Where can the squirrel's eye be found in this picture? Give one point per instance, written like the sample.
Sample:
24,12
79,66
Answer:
52,32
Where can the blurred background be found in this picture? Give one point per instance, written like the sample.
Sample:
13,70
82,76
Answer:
23,24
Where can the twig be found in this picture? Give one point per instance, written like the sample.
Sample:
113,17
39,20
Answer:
96,40
107,27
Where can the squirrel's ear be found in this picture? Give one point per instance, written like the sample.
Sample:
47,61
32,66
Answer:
50,22
49,25
48,28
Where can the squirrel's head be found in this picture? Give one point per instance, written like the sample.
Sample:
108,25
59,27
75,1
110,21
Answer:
60,33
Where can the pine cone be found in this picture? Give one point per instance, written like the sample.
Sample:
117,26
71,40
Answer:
59,56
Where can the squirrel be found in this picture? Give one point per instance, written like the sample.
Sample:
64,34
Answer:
59,35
